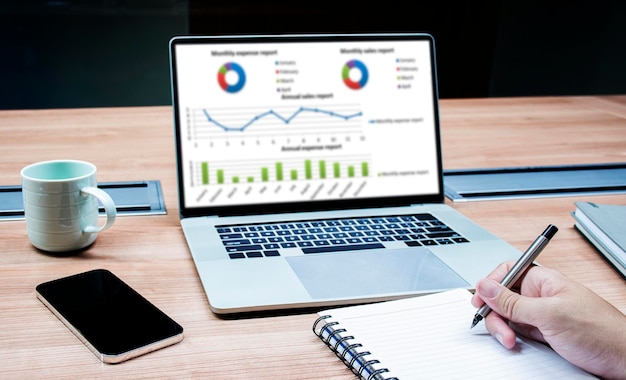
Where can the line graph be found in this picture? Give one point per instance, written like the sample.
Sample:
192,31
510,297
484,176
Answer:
278,116
275,121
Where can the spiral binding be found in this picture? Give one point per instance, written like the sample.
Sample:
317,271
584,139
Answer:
358,364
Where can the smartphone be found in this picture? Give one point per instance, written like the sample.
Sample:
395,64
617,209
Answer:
114,321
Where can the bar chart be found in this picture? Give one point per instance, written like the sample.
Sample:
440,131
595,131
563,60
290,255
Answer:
233,172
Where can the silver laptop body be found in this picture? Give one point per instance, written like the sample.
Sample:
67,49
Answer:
309,172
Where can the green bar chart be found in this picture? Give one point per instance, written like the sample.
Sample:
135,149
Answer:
290,170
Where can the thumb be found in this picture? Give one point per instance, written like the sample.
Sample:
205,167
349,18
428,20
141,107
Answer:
500,299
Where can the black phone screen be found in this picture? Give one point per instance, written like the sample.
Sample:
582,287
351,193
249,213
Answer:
115,321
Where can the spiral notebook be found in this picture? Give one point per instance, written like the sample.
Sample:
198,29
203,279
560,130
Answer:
429,337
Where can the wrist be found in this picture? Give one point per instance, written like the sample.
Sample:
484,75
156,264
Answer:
616,365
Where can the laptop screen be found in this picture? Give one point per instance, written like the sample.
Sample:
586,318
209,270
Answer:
289,123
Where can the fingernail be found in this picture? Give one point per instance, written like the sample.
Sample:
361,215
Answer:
499,338
488,288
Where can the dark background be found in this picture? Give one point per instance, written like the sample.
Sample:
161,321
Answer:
87,53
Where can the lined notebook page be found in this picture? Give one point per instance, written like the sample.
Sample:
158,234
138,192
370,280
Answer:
430,337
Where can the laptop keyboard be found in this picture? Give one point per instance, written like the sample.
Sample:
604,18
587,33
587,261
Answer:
335,235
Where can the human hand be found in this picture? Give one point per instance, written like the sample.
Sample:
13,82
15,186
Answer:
577,323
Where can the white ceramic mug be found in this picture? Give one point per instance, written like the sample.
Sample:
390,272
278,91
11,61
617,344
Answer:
61,205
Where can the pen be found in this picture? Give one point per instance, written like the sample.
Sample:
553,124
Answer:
520,267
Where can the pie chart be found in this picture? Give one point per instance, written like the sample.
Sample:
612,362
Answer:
361,72
231,69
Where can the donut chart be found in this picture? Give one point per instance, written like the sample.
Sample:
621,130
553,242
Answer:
354,64
221,77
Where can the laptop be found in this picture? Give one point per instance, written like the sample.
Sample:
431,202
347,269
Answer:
310,172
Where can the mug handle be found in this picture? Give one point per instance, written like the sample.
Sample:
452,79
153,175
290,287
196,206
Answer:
109,208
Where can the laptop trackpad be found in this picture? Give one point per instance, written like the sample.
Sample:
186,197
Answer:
373,273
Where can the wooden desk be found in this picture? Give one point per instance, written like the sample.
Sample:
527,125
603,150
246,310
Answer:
150,254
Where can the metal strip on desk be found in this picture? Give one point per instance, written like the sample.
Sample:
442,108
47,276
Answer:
131,198
534,182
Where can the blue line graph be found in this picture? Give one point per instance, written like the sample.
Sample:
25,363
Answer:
278,116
